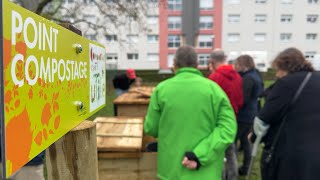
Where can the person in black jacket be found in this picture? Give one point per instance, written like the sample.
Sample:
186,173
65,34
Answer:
296,154
122,82
252,85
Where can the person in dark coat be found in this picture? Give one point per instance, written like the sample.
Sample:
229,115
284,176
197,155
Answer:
296,154
122,82
252,85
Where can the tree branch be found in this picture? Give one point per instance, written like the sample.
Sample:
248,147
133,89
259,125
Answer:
41,5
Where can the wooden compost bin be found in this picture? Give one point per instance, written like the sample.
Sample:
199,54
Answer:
120,155
134,103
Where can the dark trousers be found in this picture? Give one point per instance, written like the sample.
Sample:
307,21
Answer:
244,130
231,166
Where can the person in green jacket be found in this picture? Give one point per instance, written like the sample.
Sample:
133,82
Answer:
193,120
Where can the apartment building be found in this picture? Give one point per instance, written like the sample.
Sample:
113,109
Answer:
196,23
170,24
262,28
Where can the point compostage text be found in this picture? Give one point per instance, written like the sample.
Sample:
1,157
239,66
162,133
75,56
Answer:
46,68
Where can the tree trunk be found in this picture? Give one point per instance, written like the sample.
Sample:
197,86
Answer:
74,156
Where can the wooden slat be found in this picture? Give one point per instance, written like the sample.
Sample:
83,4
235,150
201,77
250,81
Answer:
119,133
143,168
119,121
119,118
135,110
135,96
112,155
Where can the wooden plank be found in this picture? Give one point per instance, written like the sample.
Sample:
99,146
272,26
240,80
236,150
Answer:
135,110
113,155
119,120
118,135
124,136
144,168
136,95
142,88
131,98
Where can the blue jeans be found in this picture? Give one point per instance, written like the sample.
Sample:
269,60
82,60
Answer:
120,91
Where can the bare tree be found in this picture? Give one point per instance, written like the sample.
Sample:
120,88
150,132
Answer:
97,15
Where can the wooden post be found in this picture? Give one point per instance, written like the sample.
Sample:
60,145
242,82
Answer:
74,156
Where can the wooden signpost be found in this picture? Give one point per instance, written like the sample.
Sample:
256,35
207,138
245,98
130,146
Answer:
51,80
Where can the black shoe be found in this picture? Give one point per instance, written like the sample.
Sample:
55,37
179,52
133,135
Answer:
243,171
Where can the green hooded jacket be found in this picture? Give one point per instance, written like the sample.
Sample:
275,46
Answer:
189,113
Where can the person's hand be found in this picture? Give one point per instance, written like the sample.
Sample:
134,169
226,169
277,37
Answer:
250,136
189,164
260,128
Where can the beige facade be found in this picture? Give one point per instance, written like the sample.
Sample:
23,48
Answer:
263,28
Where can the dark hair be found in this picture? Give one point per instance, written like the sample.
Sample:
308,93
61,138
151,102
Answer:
186,56
292,60
245,61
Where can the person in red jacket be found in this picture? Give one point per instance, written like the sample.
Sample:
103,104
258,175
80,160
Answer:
230,81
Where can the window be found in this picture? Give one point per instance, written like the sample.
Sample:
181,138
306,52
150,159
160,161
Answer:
152,20
90,36
286,18
175,5
112,57
260,37
153,38
286,1
313,1
261,1
111,38
174,41
133,56
206,22
233,2
174,22
309,55
260,18
285,37
233,37
203,59
170,60
311,36
133,39
153,57
234,18
312,18
205,41
206,4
